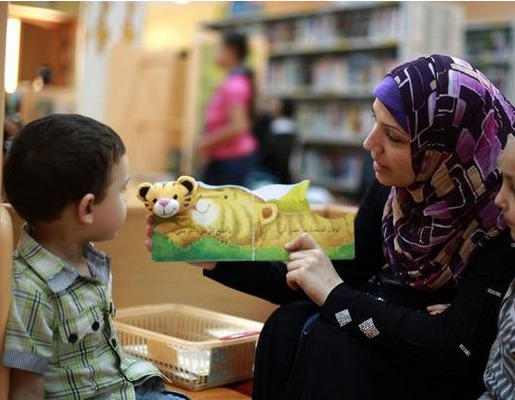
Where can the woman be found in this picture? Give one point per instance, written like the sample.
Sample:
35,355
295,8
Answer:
428,234
228,142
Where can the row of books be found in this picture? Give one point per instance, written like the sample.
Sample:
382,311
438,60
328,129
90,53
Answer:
489,43
328,74
333,168
332,29
336,121
500,76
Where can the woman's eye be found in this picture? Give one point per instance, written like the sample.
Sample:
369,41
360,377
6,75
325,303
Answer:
392,137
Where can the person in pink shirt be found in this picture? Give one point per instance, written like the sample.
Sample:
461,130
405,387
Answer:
227,140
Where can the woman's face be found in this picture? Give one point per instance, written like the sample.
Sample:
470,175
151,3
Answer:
225,57
390,148
505,199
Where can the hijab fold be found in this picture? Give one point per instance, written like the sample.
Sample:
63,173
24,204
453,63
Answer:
459,124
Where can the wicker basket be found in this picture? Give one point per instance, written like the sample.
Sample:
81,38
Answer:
195,348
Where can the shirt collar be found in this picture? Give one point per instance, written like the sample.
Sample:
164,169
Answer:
56,273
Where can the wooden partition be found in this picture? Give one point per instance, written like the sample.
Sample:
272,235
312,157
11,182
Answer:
6,236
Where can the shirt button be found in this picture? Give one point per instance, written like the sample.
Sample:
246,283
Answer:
73,338
95,326
113,342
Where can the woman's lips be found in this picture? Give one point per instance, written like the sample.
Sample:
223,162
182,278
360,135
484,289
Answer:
379,168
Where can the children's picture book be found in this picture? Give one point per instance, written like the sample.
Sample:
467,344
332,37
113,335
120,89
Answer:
193,221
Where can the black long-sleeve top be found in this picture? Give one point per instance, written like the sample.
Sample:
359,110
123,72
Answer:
465,330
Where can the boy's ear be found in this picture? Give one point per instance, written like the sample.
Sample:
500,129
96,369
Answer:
85,209
142,190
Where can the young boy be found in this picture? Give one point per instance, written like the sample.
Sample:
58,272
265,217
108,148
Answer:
66,176
500,371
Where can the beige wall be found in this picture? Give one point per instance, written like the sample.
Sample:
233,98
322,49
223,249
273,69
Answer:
489,10
169,25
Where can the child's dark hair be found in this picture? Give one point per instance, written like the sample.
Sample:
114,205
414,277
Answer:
55,161
237,42
288,108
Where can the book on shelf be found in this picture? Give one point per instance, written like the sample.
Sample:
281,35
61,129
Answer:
335,121
494,44
341,172
330,30
489,47
328,74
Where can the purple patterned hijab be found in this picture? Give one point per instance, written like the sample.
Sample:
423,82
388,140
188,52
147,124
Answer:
459,123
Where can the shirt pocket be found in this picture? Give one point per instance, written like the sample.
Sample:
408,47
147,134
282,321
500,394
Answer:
82,333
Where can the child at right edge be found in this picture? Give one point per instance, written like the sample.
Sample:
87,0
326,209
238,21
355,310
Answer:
499,376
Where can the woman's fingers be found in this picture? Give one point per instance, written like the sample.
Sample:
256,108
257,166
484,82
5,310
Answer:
303,242
149,219
437,308
293,265
316,254
291,280
205,265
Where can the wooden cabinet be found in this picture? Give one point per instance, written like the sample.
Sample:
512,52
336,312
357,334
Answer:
145,106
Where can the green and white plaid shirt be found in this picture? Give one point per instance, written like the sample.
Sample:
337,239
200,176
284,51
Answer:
60,325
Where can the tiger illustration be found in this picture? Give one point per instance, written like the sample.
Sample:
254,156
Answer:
236,215
170,199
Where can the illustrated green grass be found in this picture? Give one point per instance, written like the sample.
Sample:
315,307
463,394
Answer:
213,249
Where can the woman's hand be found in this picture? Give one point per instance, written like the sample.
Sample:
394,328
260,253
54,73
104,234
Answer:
437,308
148,242
310,269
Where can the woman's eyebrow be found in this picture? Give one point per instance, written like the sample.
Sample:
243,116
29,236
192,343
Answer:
396,128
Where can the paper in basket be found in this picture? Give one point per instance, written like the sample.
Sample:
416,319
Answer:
198,222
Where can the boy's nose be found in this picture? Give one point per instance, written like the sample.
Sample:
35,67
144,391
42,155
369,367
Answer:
164,202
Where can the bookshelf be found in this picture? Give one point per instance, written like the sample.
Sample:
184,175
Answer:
330,60
491,48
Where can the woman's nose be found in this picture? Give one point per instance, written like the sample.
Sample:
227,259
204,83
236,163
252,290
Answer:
371,143
500,200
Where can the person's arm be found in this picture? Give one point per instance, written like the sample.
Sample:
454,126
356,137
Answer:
28,345
25,385
268,280
465,328
237,125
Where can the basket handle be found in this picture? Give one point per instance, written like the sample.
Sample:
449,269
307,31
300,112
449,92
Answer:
161,351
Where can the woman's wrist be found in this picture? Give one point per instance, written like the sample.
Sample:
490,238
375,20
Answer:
330,288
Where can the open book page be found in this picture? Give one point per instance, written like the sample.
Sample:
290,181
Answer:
197,222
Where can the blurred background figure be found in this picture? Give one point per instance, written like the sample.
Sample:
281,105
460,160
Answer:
227,141
12,121
280,139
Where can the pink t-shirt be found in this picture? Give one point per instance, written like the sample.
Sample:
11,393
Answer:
235,90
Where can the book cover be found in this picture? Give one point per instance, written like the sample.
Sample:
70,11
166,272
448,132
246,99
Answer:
197,222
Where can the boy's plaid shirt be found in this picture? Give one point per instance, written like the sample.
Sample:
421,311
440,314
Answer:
60,326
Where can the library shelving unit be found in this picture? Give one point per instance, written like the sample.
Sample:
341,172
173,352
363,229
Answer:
329,61
490,46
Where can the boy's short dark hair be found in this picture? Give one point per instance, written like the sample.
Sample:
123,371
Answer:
55,161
